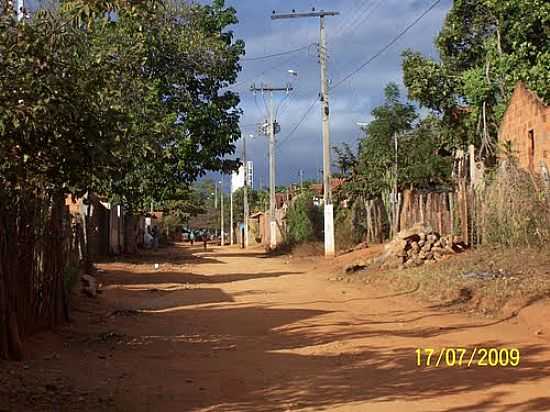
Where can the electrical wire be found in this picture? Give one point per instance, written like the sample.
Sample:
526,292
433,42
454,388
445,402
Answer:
302,119
387,46
353,13
269,56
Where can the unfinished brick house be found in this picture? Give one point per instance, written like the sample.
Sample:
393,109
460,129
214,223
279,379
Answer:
526,128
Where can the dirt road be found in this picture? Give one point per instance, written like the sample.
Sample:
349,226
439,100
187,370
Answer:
225,330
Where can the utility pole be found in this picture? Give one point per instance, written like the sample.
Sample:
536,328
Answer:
271,130
327,192
216,195
301,174
396,196
221,213
245,195
231,215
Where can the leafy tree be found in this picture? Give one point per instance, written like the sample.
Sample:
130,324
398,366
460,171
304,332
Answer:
376,156
180,121
300,219
485,47
423,159
59,120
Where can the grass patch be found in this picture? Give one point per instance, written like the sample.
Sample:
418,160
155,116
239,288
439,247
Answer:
523,276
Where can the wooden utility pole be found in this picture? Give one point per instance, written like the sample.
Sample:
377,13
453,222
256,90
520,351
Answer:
271,131
327,190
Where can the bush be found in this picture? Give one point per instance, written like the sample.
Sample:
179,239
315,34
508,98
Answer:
517,208
343,230
302,220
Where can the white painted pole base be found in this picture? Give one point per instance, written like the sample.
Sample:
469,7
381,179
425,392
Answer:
329,231
273,235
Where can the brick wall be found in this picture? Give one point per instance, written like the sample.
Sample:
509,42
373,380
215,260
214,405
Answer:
527,118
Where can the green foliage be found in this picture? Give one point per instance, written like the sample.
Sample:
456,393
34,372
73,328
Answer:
59,120
132,107
517,208
485,47
422,158
343,230
302,216
254,204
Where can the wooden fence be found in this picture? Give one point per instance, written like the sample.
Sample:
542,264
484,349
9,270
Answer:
33,236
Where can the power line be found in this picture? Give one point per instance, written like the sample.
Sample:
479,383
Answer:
359,17
271,68
353,13
303,118
387,46
269,56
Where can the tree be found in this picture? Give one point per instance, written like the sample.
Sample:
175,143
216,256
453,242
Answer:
300,219
131,107
485,47
181,123
375,158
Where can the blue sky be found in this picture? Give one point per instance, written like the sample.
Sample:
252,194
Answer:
362,28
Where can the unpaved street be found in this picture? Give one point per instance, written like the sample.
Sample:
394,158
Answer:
227,330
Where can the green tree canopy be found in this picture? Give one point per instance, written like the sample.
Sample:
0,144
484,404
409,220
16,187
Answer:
485,47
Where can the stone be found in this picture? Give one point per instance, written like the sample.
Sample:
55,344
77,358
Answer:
432,238
414,231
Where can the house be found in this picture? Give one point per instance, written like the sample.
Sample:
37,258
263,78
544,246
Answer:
525,127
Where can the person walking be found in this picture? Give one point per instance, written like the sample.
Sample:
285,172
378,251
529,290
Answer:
192,237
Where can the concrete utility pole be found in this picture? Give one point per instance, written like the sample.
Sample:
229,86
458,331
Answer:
271,130
231,215
395,193
221,212
327,192
215,195
301,175
245,195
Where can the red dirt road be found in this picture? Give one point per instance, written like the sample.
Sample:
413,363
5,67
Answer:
227,330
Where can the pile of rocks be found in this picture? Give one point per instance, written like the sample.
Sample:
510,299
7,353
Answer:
417,246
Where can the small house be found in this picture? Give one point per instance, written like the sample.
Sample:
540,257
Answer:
525,128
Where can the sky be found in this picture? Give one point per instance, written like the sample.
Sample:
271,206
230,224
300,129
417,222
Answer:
361,29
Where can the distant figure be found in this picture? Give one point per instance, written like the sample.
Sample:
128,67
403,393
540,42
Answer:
205,241
192,237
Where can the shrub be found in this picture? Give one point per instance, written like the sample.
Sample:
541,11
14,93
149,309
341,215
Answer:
517,208
301,216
